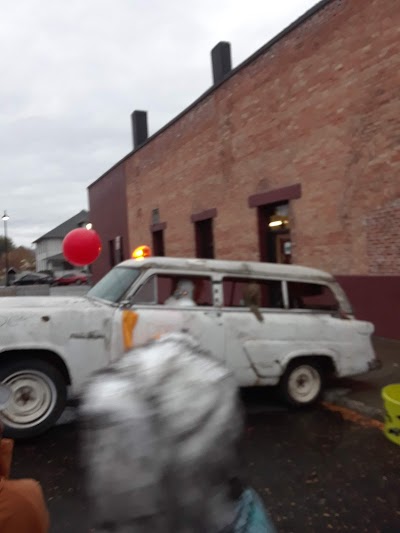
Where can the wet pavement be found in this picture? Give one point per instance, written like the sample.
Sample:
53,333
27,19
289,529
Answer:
315,471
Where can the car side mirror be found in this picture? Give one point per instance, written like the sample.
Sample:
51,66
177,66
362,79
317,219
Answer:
125,304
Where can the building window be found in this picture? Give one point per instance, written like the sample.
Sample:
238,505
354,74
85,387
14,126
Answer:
158,243
204,239
157,230
274,233
111,252
119,255
115,251
274,222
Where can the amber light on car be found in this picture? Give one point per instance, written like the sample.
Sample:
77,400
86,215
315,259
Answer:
141,252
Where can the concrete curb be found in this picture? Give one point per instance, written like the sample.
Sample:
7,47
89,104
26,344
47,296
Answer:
340,397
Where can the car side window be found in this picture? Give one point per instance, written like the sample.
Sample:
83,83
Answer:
195,289
311,296
146,293
244,292
166,289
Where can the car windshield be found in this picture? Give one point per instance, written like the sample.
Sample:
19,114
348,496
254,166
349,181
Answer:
114,284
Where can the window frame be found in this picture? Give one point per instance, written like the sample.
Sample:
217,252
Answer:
158,242
254,278
204,228
123,297
312,311
217,291
173,273
145,281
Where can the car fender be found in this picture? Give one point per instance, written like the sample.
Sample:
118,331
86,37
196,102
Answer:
317,351
45,352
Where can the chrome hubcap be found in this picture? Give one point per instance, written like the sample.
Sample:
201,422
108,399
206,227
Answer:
304,384
33,397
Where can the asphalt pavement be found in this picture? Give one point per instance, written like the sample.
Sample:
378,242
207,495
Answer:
315,470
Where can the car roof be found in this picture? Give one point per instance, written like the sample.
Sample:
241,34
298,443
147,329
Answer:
230,267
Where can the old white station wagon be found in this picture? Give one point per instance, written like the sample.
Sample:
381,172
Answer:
271,324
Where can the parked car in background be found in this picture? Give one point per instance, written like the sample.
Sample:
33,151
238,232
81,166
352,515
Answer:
73,278
33,278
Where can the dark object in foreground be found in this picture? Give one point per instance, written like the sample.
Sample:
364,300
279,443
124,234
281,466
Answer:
22,505
161,430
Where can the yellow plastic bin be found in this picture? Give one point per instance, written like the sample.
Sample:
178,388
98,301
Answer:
391,398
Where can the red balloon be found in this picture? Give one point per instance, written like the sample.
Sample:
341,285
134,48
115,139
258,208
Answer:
81,246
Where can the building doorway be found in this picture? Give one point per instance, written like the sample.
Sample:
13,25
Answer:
158,243
274,233
204,239
115,251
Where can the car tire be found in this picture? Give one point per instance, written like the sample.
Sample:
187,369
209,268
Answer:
302,383
78,282
39,395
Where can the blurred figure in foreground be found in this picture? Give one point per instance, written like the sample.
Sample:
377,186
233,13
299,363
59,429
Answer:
161,431
22,505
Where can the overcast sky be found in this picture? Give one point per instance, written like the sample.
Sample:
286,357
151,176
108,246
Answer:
72,72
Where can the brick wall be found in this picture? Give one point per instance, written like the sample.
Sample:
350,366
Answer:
320,107
108,214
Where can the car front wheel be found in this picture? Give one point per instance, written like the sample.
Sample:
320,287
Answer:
302,383
39,394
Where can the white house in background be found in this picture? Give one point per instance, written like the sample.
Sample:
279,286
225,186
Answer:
48,251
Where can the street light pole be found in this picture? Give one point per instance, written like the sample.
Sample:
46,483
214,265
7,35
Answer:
4,218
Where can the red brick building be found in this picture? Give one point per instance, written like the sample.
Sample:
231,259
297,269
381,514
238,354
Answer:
292,156
108,196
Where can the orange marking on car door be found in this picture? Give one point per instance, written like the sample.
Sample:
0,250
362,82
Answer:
129,321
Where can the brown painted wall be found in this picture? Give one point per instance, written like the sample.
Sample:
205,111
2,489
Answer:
107,200
376,299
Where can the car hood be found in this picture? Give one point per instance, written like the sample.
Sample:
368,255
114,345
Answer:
47,302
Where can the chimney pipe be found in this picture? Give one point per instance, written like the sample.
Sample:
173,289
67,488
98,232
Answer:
139,128
221,61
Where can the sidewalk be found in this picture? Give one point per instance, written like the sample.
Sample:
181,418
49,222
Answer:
363,393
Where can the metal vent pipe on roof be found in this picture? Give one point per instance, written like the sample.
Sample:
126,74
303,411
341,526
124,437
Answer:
221,61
